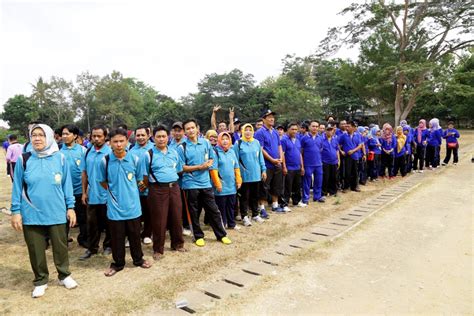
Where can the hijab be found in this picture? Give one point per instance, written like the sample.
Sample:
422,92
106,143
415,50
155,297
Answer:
51,145
219,141
420,129
403,123
401,139
210,133
387,132
242,131
373,133
434,124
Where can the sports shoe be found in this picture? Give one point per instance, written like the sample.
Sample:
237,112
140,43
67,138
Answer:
264,214
443,164
108,250
200,242
301,204
39,290
278,210
68,283
226,241
186,232
287,209
238,218
455,163
322,200
86,255
127,244
147,240
247,221
258,219
420,171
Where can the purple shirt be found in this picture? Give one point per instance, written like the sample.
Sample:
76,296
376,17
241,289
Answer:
13,152
270,142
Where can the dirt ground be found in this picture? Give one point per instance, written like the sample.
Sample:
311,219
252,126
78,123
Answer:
135,289
413,257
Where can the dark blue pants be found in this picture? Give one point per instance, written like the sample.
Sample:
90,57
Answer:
309,172
226,205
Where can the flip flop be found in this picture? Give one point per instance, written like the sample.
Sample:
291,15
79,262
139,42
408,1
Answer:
110,272
146,264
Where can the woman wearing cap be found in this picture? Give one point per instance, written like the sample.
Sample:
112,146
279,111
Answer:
42,202
253,170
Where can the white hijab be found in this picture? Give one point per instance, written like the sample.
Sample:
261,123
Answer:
51,145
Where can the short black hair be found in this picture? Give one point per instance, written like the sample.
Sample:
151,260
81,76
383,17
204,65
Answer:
161,128
450,123
313,121
146,128
191,120
352,123
118,131
259,120
102,127
122,126
70,127
58,131
12,137
222,121
291,124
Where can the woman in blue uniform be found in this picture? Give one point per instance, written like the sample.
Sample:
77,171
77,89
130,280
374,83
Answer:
42,202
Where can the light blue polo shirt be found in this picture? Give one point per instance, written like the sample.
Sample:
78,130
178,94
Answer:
225,163
97,194
49,190
74,157
196,154
164,167
123,198
139,151
174,145
251,161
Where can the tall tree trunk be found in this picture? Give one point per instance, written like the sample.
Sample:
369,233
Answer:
398,101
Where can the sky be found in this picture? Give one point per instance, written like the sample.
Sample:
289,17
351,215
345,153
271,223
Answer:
170,45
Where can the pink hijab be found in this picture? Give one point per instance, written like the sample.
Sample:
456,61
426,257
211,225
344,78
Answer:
421,127
387,132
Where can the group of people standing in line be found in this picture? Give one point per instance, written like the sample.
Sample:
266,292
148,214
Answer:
134,186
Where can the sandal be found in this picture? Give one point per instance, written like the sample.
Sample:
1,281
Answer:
146,264
110,272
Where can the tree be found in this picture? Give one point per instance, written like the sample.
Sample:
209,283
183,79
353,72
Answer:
83,98
18,111
423,34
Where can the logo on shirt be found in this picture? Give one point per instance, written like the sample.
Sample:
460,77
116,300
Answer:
78,162
206,156
130,176
57,178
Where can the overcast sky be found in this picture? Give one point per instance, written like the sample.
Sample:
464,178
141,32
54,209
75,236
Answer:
170,45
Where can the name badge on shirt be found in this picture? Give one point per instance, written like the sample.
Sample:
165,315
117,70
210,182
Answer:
78,162
174,165
57,178
130,176
206,157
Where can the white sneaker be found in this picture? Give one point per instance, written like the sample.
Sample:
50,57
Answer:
258,219
68,283
236,227
238,218
247,221
286,209
127,244
39,290
147,240
301,204
420,171
186,232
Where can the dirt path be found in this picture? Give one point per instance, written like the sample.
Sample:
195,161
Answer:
412,257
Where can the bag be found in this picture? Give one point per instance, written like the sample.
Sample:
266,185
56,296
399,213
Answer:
452,145
371,156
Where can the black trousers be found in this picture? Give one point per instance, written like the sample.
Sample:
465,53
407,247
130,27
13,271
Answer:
81,215
362,168
374,166
248,198
146,217
387,163
119,230
97,222
448,154
419,157
400,165
329,179
430,156
205,198
292,187
350,173
226,204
